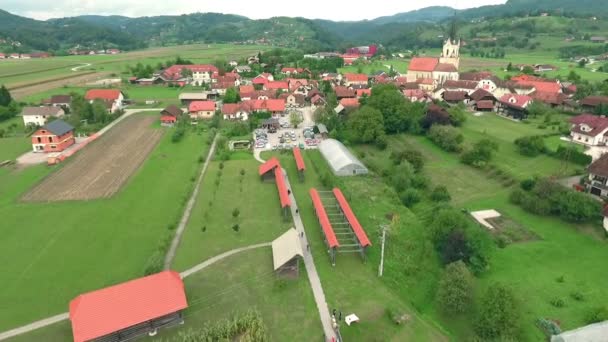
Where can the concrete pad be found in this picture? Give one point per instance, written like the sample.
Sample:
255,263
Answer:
483,215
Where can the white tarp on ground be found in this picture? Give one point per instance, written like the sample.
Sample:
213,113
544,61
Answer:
285,248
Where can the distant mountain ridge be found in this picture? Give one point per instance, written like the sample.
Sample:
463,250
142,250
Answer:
415,28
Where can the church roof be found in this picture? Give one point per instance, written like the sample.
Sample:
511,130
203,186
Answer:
423,64
445,67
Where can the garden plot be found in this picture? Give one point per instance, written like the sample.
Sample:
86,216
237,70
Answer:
101,169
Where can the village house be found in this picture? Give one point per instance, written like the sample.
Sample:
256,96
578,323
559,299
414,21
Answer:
416,95
55,136
201,110
236,111
113,98
277,86
273,106
455,97
38,116
262,79
58,101
588,129
515,105
363,92
170,115
355,79
294,71
264,95
242,69
343,92
187,98
460,85
349,103
482,100
246,92
317,101
195,74
222,87
293,100
597,181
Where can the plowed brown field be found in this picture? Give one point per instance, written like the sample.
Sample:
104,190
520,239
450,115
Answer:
103,167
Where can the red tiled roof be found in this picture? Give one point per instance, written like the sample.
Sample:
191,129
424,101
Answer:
344,92
594,101
98,313
330,235
277,85
350,103
515,100
454,95
102,94
417,93
597,124
600,168
481,94
246,89
460,84
361,92
283,195
268,166
230,108
271,105
427,64
355,77
299,160
445,67
427,81
174,72
259,80
549,98
352,219
201,106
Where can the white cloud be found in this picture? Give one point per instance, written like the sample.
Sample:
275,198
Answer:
324,9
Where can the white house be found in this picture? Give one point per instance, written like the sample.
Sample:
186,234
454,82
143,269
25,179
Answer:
590,130
38,116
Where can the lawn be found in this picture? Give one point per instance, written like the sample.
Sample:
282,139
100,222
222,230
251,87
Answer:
533,269
11,148
554,142
505,132
236,284
209,231
52,252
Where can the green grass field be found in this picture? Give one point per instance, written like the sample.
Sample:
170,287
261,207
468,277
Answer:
51,252
11,148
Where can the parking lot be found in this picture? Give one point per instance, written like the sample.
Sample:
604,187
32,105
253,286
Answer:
288,137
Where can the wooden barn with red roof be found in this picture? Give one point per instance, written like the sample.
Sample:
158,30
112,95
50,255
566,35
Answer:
112,98
270,170
126,311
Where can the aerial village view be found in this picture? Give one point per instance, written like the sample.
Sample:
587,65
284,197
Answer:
322,171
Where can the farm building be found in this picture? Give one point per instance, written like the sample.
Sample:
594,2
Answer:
340,159
38,116
170,115
55,136
60,100
113,98
286,254
126,311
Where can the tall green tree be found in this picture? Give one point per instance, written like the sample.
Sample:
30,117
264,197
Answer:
5,96
455,292
232,95
366,125
499,315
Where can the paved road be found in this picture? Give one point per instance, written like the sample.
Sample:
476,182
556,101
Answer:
219,257
311,270
33,326
309,263
188,210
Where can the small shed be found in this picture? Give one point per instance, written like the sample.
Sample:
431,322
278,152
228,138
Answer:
323,130
266,170
286,254
170,115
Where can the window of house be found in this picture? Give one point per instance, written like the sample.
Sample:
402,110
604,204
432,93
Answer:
50,139
53,146
39,140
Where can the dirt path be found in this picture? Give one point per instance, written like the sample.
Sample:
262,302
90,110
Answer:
81,66
219,257
188,210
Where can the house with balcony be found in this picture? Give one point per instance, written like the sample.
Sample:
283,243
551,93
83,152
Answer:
597,183
588,129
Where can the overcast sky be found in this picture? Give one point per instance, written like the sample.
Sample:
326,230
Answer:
313,9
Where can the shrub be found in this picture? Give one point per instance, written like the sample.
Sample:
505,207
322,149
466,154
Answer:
531,146
528,184
178,134
402,176
155,262
414,157
577,296
236,212
455,291
440,194
549,327
557,302
410,197
480,154
236,227
397,315
571,153
420,182
498,316
447,138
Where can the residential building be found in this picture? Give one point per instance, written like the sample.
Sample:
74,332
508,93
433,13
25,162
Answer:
195,74
60,101
350,103
515,105
293,100
590,103
343,92
236,111
597,182
113,98
38,116
277,86
588,129
352,79
201,110
55,136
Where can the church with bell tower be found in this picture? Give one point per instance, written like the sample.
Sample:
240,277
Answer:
451,52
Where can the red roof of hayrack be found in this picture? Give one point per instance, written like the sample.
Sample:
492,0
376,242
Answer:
330,236
423,64
352,219
269,165
98,313
102,94
283,195
198,106
299,160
